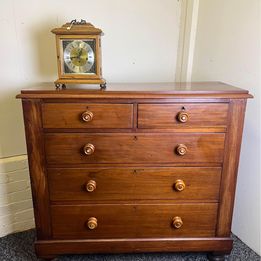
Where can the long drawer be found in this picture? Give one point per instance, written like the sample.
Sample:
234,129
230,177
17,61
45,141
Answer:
133,220
87,115
106,184
63,148
182,115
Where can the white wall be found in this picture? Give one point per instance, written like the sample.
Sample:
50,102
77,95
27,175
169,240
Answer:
140,44
228,49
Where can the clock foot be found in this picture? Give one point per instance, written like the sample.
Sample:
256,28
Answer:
103,86
58,86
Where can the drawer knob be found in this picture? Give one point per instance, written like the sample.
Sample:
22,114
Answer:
181,149
92,223
87,116
91,186
88,149
179,185
183,116
177,222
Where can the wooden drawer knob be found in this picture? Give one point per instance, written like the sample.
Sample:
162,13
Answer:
87,116
179,185
91,186
183,116
181,149
92,223
88,149
177,222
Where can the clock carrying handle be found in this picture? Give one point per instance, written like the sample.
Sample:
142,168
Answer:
74,21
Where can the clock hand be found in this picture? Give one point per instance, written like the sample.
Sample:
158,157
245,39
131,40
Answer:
80,53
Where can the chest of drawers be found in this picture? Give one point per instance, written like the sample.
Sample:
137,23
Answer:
134,168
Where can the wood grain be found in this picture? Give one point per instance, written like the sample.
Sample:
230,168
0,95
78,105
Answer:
136,245
133,220
36,159
79,29
230,167
200,90
129,148
165,115
68,115
134,184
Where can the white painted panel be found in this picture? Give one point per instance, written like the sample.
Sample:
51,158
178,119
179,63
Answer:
16,212
13,163
16,227
16,196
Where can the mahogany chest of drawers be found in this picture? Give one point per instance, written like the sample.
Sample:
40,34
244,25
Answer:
135,167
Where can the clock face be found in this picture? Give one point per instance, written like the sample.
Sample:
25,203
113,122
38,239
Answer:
79,56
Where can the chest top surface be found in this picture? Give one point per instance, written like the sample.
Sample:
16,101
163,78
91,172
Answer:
139,90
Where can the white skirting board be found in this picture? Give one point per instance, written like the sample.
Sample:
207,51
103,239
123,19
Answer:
16,209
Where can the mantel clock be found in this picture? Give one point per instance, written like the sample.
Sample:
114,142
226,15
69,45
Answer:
78,47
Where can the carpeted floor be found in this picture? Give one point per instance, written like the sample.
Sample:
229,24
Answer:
19,247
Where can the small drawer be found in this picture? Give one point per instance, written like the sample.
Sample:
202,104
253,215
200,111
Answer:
182,115
133,220
108,184
87,115
79,148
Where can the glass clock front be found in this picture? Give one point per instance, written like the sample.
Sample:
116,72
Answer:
79,56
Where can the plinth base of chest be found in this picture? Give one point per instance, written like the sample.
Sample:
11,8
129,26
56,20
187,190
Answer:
47,248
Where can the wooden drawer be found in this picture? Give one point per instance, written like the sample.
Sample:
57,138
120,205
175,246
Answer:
133,220
63,148
173,115
134,184
72,115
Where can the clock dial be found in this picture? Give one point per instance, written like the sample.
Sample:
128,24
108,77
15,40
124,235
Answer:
79,56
